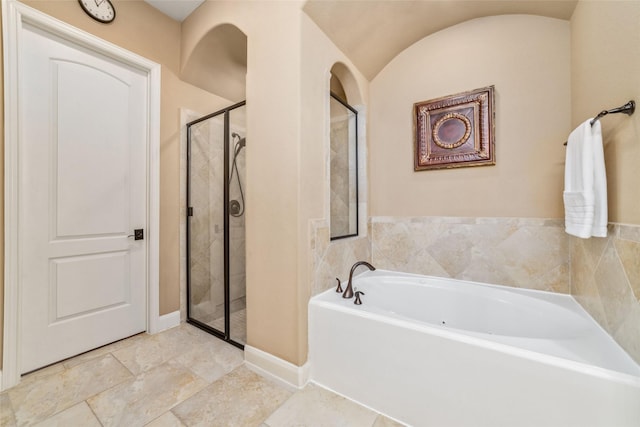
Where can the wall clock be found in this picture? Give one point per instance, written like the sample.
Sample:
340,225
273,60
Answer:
100,10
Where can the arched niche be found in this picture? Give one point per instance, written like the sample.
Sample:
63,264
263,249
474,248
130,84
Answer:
218,63
344,83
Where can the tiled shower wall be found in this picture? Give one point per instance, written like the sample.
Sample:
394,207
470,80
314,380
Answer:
605,279
602,274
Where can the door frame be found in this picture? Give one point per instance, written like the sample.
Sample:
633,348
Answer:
14,15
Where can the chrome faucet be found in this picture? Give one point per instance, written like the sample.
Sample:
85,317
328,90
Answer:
348,293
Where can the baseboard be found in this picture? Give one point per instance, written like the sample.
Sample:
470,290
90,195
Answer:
168,321
285,373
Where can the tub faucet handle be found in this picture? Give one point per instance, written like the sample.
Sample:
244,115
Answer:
339,288
358,301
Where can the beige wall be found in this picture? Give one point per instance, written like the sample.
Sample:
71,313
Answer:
272,160
288,63
605,73
319,55
144,30
527,58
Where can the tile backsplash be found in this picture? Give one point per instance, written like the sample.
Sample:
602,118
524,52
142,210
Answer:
331,259
519,252
605,280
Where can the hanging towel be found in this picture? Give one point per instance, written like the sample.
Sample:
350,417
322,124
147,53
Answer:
585,183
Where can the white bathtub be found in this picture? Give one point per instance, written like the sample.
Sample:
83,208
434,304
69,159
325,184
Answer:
441,352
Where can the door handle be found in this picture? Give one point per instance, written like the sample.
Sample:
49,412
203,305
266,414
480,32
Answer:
138,234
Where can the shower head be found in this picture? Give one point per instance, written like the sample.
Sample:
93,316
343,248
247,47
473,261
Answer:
241,141
239,144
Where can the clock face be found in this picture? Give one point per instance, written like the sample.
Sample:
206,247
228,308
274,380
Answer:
100,10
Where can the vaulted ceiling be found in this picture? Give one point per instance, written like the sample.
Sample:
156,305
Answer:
372,32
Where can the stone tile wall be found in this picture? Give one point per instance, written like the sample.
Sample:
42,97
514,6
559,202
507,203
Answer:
331,259
526,253
605,280
519,252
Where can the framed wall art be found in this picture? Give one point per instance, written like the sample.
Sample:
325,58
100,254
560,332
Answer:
455,131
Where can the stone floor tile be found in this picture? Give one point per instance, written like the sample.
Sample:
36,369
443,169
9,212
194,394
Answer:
211,358
185,377
147,396
166,420
240,398
36,400
157,349
316,407
382,421
7,419
79,415
106,349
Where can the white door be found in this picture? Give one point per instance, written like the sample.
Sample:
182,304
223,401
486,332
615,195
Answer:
82,192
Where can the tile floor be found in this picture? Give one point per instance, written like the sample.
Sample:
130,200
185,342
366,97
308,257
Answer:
180,377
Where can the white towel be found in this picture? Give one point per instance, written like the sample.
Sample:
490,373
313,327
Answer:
585,183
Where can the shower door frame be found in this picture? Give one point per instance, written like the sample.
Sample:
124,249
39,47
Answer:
226,334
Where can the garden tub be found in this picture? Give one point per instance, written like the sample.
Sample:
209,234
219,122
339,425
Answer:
429,351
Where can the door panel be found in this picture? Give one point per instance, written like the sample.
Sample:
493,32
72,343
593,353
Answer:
85,284
92,150
82,184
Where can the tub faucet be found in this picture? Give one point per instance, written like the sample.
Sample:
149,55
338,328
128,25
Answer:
348,293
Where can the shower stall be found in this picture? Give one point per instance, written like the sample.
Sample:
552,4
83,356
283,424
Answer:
216,292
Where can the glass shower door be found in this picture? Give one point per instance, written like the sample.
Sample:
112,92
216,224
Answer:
215,224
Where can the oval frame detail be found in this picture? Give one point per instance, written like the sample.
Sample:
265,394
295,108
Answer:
441,121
